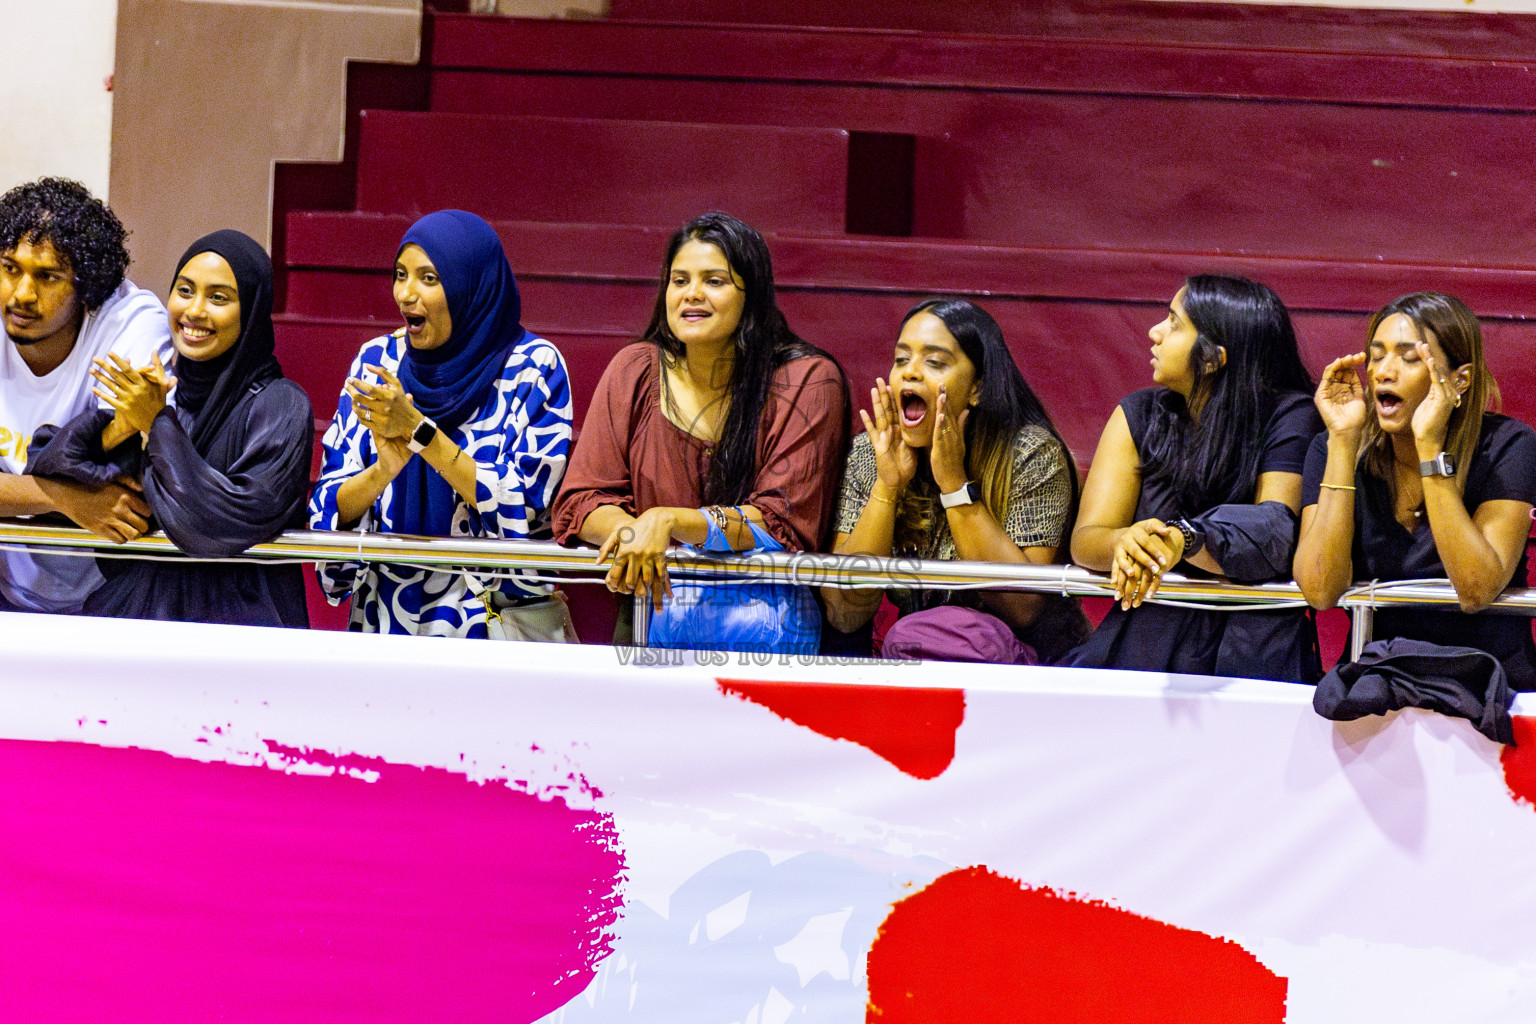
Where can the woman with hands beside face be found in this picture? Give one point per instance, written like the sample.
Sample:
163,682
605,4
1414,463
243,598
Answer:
459,425
1203,472
958,460
220,441
1415,479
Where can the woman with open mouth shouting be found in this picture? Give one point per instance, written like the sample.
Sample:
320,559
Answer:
456,425
1415,479
225,452
719,423
958,460
1203,472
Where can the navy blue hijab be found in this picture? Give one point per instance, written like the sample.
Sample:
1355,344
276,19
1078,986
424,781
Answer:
450,383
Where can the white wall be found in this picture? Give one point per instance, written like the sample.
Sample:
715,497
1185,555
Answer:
55,110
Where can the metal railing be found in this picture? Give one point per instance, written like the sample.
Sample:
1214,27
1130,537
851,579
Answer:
851,572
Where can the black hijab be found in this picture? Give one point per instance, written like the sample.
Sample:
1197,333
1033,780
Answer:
210,389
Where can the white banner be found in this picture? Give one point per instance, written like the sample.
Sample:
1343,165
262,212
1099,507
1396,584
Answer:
208,823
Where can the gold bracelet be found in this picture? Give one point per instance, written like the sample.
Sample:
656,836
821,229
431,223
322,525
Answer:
876,497
1338,487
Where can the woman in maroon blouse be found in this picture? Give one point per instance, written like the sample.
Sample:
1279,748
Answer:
718,414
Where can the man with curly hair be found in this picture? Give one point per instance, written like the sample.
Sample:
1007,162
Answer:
63,302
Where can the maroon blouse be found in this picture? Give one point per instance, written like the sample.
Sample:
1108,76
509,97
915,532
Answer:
630,455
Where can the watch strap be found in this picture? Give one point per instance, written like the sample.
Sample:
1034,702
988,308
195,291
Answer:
960,496
1440,465
1194,540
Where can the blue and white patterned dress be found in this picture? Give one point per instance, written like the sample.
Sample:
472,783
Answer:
519,438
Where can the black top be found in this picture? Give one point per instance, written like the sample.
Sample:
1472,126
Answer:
228,470
1253,543
250,487
1503,468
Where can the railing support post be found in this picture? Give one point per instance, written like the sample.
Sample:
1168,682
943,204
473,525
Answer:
1361,624
640,611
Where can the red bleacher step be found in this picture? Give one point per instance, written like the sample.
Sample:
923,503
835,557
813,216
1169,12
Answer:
599,171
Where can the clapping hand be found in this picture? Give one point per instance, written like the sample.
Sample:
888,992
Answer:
135,395
383,407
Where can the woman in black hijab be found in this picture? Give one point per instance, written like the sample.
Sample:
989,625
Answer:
225,468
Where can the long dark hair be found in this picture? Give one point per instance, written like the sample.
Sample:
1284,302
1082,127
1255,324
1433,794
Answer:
1005,404
763,343
1216,461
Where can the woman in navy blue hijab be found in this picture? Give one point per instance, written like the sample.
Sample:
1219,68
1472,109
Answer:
457,424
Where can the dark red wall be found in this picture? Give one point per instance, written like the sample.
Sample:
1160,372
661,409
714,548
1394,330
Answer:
1097,153
1067,164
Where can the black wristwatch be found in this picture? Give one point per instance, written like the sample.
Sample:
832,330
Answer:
1194,540
422,436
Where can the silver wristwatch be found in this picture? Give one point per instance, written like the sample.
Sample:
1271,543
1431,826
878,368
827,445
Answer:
1440,465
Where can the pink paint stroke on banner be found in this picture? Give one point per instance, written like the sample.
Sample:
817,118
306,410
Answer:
138,886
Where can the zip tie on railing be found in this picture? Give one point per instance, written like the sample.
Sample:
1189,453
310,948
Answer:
1369,591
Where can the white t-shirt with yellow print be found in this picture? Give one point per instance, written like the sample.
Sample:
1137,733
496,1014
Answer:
132,323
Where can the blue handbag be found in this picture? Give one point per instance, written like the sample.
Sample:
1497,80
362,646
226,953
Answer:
750,617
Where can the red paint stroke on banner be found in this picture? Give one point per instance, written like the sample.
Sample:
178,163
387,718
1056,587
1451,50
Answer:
1519,760
914,729
138,886
978,948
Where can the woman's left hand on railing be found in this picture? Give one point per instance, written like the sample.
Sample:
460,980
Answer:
638,550
1142,553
